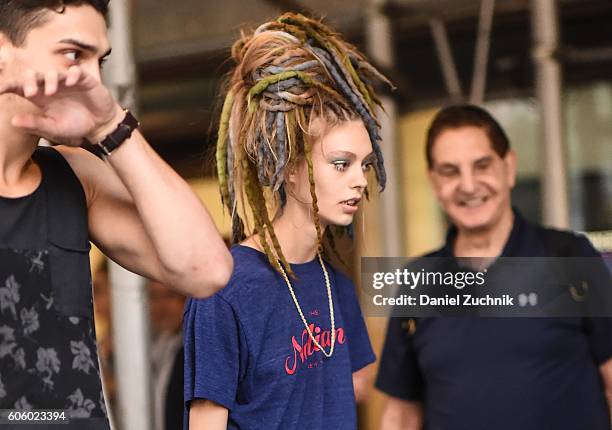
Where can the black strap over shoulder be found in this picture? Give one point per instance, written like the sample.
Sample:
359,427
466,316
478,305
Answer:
67,225
67,235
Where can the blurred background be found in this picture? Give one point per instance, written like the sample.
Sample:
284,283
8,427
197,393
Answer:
542,67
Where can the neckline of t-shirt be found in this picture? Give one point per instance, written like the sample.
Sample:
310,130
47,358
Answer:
262,256
15,200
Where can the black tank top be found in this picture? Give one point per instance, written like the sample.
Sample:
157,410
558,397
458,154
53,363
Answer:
48,355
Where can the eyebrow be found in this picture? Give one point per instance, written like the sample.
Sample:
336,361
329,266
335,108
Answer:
85,46
483,159
446,165
352,156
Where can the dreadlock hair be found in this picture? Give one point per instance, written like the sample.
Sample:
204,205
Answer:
289,73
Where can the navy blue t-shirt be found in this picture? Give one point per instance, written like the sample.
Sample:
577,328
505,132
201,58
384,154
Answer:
246,348
502,373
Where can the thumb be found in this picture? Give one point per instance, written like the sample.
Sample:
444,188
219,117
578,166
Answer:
35,124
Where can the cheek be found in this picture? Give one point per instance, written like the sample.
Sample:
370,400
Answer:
445,190
493,182
40,61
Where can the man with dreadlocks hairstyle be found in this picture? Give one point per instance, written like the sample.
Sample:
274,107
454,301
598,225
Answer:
284,344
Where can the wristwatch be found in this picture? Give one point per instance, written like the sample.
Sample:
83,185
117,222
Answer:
122,133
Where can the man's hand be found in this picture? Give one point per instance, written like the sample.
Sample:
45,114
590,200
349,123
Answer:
72,106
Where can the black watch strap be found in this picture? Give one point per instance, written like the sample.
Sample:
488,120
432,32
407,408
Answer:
122,133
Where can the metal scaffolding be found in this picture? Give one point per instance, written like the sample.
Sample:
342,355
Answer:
380,48
130,317
555,207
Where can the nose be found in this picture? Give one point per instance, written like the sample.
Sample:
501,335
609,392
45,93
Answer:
360,179
93,69
467,183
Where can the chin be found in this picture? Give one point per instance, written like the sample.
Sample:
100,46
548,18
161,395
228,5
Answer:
474,221
341,220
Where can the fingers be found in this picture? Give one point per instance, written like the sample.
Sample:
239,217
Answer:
51,82
34,83
9,87
73,76
77,77
35,124
45,127
31,83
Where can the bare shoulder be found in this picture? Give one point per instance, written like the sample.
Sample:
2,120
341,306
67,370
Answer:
78,158
87,167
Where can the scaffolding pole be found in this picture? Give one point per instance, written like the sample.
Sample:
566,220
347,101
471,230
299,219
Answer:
445,57
379,44
481,54
544,20
129,311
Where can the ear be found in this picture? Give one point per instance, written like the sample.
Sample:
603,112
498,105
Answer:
510,163
294,171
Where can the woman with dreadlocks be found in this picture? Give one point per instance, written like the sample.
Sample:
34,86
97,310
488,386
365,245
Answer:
278,347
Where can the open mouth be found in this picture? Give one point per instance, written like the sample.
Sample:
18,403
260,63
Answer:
351,202
473,202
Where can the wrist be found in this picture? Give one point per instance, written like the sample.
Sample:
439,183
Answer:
98,134
120,134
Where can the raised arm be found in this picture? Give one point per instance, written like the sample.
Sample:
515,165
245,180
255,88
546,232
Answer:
141,213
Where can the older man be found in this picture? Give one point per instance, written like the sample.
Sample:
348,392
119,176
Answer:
493,373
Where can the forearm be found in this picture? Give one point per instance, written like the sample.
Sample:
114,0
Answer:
402,415
193,256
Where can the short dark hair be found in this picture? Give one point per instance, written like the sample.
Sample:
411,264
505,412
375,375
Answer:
18,17
458,116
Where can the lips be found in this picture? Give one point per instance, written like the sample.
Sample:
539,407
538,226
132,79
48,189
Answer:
351,202
473,202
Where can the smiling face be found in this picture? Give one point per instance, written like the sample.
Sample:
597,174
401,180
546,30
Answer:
472,182
341,161
77,36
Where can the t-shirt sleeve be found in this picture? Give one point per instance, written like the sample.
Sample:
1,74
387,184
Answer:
398,371
213,344
360,347
598,330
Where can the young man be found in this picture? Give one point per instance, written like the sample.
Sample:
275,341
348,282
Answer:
493,373
54,200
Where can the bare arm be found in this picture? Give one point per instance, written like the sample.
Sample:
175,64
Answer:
606,374
145,217
402,415
361,383
141,213
207,415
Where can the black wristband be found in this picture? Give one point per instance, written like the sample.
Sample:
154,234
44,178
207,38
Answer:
122,133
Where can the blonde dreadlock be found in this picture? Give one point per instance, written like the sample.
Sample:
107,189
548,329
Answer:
288,72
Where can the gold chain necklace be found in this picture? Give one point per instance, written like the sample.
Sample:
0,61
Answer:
331,308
